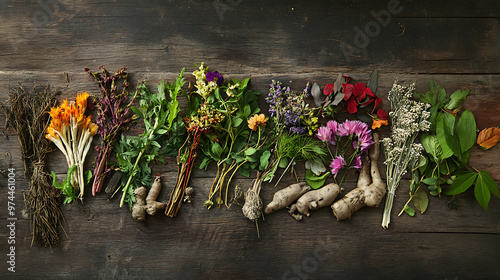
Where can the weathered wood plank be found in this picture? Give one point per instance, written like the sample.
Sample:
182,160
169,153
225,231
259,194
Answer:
295,42
277,37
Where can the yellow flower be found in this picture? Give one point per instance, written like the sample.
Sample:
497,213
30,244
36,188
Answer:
93,128
257,121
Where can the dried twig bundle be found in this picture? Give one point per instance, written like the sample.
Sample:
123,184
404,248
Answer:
28,115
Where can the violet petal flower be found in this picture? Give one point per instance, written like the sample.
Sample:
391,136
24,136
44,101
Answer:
333,126
357,162
341,130
366,141
324,134
337,164
359,128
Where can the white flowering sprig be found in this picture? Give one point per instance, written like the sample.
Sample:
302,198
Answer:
408,118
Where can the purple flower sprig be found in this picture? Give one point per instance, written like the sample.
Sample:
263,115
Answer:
112,115
287,108
340,135
210,76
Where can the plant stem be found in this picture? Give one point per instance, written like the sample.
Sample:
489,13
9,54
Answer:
125,189
387,210
410,199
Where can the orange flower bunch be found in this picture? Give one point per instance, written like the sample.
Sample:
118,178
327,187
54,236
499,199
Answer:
257,121
72,132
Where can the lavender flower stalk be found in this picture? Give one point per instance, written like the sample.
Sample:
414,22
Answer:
408,118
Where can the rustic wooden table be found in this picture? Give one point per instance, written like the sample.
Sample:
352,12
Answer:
457,42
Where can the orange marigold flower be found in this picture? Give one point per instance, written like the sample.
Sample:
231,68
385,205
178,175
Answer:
56,124
51,133
257,121
81,101
65,105
55,112
378,123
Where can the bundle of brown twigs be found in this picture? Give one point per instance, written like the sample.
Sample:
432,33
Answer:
28,115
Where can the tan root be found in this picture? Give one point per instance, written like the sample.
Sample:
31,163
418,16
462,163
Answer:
147,204
188,195
252,209
313,200
369,191
286,196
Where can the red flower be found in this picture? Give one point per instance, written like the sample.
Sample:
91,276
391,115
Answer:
352,106
378,101
382,114
359,88
328,89
347,90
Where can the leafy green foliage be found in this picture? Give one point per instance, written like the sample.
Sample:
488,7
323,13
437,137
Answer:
448,151
314,181
484,186
160,116
67,189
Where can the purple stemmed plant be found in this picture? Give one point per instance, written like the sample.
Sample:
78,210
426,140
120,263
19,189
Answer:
113,114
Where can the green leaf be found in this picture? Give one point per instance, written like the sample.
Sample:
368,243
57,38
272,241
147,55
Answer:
237,122
444,131
432,147
250,151
485,179
373,81
161,90
462,183
87,176
245,172
456,99
439,93
482,194
410,211
161,131
314,181
421,200
264,160
429,181
425,98
247,110
54,180
137,111
422,163
155,144
434,113
217,149
466,130
204,163
283,163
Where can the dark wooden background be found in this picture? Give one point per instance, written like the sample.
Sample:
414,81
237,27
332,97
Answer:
457,42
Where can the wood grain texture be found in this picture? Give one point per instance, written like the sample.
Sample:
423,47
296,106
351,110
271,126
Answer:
456,42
